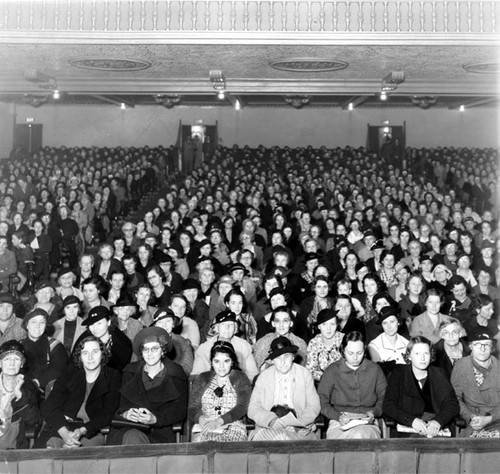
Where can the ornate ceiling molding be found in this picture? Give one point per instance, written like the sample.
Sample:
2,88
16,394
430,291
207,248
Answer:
110,64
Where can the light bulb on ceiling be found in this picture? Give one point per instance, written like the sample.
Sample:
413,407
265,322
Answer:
221,95
123,106
462,108
237,105
350,106
383,96
56,94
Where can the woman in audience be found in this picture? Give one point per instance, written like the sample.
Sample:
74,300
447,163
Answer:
45,356
311,306
476,381
412,304
154,393
182,351
18,398
93,289
282,320
389,348
284,402
69,328
66,279
352,389
452,345
247,327
118,344
428,323
483,317
324,348
83,400
219,398
419,395
124,316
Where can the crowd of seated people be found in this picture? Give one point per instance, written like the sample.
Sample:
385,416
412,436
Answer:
269,293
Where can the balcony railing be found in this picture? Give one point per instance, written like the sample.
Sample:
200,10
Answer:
253,18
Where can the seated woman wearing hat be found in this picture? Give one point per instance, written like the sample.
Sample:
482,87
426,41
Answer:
389,348
476,380
352,390
83,399
182,351
124,316
324,348
18,398
282,320
219,398
118,344
284,401
45,298
45,355
66,279
154,393
225,327
452,346
69,328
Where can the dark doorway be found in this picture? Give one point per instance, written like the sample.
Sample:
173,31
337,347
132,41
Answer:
28,137
387,140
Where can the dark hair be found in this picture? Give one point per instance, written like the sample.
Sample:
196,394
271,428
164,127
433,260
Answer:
236,292
433,292
353,336
381,286
79,347
419,340
157,269
282,309
225,347
480,301
98,281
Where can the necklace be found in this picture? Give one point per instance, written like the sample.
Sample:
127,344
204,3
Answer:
4,387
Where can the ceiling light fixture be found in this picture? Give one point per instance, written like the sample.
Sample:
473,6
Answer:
218,82
166,100
221,95
462,108
350,106
56,95
383,96
237,105
123,106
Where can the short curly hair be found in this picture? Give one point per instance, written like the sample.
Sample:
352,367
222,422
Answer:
79,347
419,340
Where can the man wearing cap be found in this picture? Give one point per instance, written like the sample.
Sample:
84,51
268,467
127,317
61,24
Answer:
10,325
476,380
284,401
225,326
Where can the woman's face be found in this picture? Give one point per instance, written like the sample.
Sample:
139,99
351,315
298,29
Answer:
370,286
328,328
91,355
11,364
433,304
415,286
100,328
222,363
143,295
71,311
184,240
66,281
321,288
282,323
178,306
390,325
90,292
235,304
44,295
167,324
354,353
284,363
451,334
36,327
388,261
351,261
420,356
486,311
151,353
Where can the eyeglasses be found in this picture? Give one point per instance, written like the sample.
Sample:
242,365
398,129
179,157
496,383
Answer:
153,350
483,345
455,332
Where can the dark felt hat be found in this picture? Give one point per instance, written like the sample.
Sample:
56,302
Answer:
151,334
325,315
96,314
281,345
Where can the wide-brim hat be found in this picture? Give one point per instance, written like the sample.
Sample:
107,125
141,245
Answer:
281,345
42,285
236,266
164,313
325,315
190,284
151,334
125,300
7,298
12,347
96,314
33,314
224,316
64,271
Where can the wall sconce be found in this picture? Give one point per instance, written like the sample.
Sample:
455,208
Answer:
218,82
297,101
167,101
424,101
